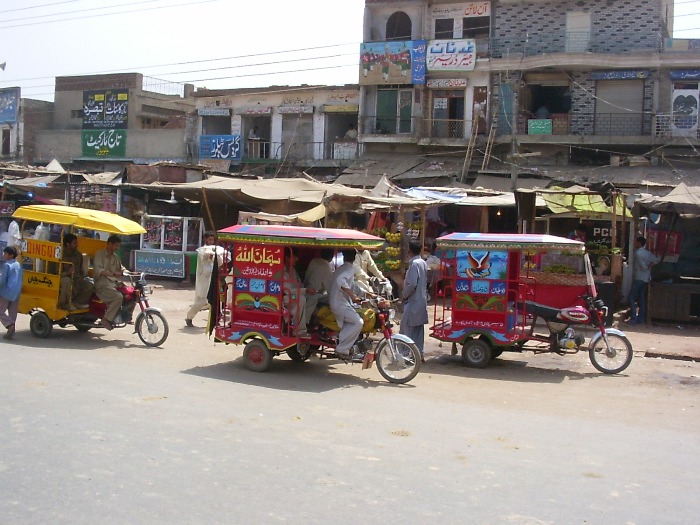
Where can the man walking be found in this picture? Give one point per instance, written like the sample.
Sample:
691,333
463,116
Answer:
205,266
414,296
641,276
10,289
341,298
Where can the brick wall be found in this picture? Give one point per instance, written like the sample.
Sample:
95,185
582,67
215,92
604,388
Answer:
533,27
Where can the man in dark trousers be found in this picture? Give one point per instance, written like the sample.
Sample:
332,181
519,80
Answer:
414,297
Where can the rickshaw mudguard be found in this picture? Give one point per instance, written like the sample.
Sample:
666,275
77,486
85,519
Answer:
460,336
599,335
239,336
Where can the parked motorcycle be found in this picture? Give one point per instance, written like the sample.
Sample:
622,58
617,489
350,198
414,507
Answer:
609,349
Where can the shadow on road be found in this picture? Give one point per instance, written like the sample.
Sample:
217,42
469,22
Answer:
72,339
315,375
506,368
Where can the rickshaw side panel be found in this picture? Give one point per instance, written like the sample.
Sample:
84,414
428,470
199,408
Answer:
253,296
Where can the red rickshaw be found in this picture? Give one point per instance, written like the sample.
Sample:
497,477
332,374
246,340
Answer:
255,312
495,287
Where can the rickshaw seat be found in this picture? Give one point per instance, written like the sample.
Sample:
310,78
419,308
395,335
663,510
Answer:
541,310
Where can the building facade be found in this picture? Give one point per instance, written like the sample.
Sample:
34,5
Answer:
569,82
111,119
298,126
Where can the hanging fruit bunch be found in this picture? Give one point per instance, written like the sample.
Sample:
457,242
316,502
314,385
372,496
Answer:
393,251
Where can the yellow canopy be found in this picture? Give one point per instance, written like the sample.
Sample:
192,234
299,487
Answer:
79,217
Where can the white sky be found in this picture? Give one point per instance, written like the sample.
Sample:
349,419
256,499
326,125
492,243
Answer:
210,43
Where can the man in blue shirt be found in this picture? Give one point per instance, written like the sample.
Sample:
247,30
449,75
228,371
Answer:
10,288
641,276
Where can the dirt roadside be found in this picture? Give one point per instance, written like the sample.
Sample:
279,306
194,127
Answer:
662,340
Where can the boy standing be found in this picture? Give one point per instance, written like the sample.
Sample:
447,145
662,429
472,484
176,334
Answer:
10,288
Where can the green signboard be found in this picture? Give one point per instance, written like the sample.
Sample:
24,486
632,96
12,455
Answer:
104,143
540,126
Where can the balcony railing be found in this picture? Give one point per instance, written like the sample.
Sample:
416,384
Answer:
576,42
582,124
298,151
388,126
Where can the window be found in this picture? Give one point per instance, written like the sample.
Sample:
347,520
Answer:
444,28
476,27
398,27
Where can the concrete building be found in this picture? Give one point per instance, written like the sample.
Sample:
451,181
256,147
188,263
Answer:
515,86
106,120
20,119
282,127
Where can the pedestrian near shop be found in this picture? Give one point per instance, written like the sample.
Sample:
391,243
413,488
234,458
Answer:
10,290
414,297
206,256
641,276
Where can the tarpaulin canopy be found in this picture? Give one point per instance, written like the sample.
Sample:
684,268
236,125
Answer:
683,200
576,198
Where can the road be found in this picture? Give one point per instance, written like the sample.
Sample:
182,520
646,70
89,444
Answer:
97,428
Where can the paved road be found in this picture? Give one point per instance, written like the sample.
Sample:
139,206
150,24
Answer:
96,428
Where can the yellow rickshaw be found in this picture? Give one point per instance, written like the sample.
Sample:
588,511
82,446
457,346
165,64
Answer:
42,254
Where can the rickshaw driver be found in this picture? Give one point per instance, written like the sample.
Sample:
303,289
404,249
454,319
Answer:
107,267
76,289
341,298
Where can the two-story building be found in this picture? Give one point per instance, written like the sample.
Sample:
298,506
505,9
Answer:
104,121
288,126
20,118
567,83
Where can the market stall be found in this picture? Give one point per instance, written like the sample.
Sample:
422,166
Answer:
672,229
169,244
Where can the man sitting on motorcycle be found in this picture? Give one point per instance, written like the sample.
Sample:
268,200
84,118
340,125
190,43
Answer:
318,279
342,297
107,269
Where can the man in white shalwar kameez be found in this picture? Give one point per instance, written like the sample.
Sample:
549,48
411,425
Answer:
205,265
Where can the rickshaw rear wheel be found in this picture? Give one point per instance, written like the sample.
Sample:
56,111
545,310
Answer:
300,352
40,325
257,356
476,353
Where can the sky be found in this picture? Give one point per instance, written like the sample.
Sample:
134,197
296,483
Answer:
217,44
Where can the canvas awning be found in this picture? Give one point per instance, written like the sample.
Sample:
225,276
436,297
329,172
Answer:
683,200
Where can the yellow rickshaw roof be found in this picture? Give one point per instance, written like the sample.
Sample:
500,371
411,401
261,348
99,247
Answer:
79,217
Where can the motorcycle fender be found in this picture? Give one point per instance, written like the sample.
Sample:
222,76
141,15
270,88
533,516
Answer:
598,335
153,309
403,338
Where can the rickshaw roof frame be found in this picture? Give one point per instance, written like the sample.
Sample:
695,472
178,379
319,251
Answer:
79,218
509,241
300,236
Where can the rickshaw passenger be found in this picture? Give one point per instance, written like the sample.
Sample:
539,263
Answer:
318,279
341,298
294,298
73,272
107,268
364,266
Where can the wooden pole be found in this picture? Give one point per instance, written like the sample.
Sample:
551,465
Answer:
208,210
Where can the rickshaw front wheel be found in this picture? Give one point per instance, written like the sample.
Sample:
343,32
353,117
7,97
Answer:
40,325
476,353
257,356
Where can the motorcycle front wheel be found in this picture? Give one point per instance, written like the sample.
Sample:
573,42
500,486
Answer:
612,358
399,366
152,328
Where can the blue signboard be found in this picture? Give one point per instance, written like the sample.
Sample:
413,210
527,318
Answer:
9,104
220,147
163,264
